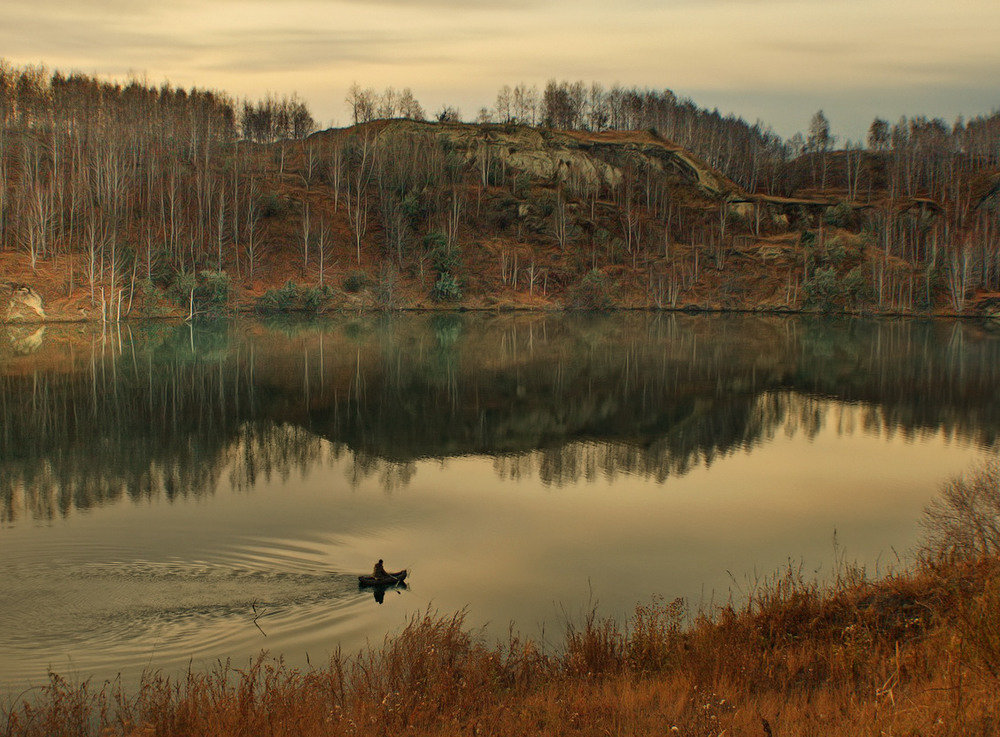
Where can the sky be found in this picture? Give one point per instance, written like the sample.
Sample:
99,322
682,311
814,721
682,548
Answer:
774,60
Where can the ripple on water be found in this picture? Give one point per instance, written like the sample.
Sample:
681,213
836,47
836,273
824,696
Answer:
121,615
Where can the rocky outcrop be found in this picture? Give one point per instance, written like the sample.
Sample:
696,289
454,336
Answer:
24,304
579,157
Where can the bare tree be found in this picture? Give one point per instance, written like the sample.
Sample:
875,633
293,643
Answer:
362,102
322,243
360,166
964,519
336,169
818,142
306,235
561,221
408,106
253,240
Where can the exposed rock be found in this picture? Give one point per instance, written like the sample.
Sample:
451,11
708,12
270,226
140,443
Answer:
590,159
24,304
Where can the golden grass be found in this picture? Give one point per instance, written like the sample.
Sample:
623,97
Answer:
916,653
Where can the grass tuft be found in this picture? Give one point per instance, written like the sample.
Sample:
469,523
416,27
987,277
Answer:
914,653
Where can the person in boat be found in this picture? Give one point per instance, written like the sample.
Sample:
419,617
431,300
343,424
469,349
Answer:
379,571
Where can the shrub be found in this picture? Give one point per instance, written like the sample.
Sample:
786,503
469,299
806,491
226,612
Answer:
355,282
272,206
857,286
836,251
447,288
312,298
414,208
157,264
823,289
213,289
446,260
839,216
145,296
520,182
179,290
502,211
209,291
435,239
292,297
592,292
278,300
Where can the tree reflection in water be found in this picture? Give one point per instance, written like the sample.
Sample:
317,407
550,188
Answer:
168,411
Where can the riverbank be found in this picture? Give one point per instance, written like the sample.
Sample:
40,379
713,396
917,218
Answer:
916,652
43,294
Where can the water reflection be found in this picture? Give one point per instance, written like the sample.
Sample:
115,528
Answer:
379,592
168,411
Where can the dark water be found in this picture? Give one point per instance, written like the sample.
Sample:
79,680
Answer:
172,495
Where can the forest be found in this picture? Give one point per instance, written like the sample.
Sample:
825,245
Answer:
133,200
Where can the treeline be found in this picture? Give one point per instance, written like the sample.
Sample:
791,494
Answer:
134,179
32,98
749,154
746,153
921,184
144,186
916,156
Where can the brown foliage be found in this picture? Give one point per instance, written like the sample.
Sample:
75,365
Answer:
915,653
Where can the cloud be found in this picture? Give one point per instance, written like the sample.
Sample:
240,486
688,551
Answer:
831,47
297,49
490,5
775,59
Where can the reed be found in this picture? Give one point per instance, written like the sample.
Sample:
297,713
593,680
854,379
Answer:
913,653
916,652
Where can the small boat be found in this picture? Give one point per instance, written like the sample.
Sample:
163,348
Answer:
389,579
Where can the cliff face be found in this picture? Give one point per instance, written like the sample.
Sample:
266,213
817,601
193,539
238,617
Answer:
23,304
592,160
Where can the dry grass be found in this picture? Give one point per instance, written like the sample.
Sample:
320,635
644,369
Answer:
915,653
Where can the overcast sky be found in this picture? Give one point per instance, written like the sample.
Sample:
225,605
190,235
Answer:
777,60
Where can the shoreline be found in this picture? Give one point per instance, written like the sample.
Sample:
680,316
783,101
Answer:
911,652
251,313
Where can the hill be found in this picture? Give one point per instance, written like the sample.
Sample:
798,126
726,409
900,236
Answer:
406,214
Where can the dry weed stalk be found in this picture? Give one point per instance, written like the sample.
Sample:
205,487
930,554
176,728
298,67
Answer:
917,652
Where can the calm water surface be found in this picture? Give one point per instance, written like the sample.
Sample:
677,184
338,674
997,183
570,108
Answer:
173,496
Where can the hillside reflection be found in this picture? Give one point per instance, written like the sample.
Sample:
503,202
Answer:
169,411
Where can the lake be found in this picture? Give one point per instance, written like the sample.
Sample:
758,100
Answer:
172,496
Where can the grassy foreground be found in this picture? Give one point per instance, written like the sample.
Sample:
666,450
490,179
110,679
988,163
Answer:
915,653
